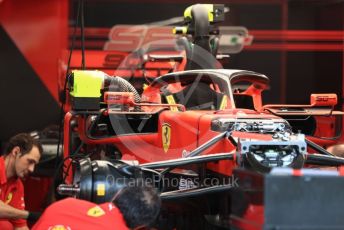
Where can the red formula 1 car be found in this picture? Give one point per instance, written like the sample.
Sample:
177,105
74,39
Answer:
220,157
189,133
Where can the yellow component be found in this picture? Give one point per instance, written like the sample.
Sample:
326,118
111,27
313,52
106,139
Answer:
9,198
180,30
100,189
87,83
166,136
95,211
171,101
145,86
184,30
210,8
187,12
223,104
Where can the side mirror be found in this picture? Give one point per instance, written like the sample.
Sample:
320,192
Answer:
324,99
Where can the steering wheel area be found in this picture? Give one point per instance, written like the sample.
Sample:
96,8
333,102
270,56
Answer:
196,91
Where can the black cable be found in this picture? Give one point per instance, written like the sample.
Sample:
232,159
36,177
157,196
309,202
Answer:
63,99
82,27
72,156
65,85
65,172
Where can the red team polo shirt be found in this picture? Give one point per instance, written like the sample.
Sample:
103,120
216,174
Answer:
74,214
11,193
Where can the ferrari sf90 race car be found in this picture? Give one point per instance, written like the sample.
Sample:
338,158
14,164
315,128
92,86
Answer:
194,135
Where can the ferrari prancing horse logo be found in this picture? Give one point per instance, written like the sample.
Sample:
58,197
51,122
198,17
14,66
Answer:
166,136
95,212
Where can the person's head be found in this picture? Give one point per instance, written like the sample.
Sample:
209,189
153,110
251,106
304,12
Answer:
22,154
139,205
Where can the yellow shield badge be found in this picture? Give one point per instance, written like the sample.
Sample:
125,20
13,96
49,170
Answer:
95,211
166,136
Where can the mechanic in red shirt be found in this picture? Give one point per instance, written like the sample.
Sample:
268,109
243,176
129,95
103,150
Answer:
133,207
22,154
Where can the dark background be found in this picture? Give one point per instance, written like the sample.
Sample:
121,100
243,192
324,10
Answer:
305,72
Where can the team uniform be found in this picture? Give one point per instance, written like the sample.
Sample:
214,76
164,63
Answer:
11,193
74,214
